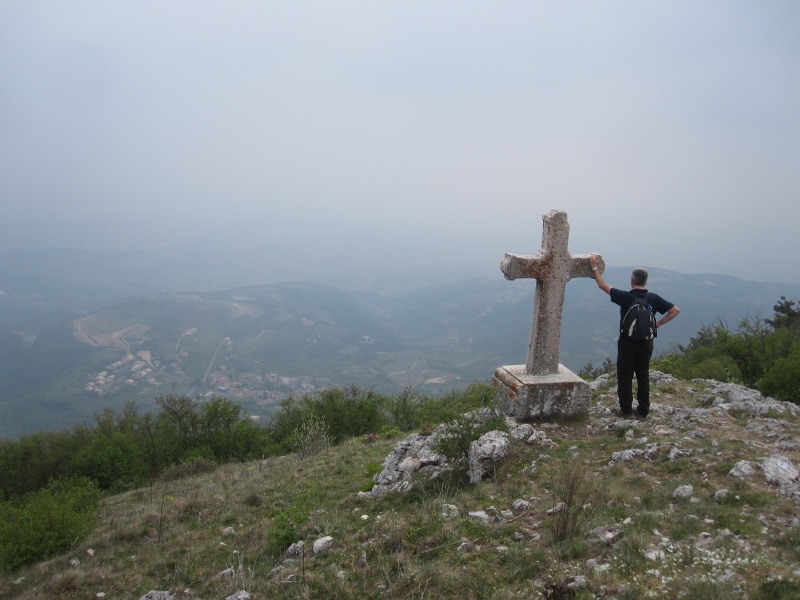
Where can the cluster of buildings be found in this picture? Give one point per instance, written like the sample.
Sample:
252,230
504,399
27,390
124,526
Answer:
140,371
128,371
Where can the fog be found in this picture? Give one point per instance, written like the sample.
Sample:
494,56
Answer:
375,140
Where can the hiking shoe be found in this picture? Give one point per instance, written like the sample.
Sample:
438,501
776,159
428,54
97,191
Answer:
625,415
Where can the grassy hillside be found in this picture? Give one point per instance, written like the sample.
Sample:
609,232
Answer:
209,535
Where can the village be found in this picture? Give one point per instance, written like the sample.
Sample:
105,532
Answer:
141,373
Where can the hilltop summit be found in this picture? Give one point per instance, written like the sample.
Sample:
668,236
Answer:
699,500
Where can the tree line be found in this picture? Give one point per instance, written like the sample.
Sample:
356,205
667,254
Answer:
761,353
126,449
52,482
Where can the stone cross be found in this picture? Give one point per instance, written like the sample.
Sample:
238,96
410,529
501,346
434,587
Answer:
552,268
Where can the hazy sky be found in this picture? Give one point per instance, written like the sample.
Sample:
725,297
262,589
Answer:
669,131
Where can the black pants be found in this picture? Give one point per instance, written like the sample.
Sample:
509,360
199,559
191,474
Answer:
633,358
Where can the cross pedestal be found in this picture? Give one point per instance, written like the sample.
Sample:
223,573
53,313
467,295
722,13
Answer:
542,387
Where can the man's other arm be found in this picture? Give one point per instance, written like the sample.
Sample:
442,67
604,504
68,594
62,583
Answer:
671,314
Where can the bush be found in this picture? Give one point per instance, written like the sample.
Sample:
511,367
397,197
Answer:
46,522
783,380
403,410
434,411
461,432
283,533
115,463
311,437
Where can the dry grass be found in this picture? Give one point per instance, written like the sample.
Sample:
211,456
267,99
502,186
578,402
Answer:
219,532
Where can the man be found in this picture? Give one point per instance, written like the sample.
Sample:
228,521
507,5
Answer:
633,356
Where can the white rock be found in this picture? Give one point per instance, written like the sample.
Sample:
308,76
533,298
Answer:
578,582
486,453
520,505
683,491
626,455
742,469
322,544
157,595
481,515
295,550
779,470
449,511
521,432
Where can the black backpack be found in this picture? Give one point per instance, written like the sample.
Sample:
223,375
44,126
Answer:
639,323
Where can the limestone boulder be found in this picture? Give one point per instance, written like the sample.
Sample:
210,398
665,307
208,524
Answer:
486,453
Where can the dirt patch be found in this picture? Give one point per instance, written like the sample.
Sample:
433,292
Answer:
99,333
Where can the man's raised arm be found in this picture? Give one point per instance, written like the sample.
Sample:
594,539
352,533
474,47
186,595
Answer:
597,276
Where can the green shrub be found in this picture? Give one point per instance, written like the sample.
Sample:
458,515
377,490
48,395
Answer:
283,533
435,411
460,433
311,437
389,432
403,410
783,380
115,463
46,522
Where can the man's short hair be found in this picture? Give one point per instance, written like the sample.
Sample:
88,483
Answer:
639,277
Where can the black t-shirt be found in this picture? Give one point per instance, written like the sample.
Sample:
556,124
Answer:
624,299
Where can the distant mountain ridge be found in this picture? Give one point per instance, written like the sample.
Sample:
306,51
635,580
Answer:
256,344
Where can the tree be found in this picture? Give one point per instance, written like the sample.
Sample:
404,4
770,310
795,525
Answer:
114,462
749,347
786,315
783,380
218,426
181,413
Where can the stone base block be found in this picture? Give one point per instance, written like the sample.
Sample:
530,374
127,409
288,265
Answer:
525,397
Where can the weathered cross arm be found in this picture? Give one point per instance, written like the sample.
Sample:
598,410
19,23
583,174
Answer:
521,266
581,267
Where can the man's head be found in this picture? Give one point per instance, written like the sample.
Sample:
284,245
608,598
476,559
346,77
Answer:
639,277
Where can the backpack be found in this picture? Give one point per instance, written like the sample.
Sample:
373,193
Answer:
639,322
